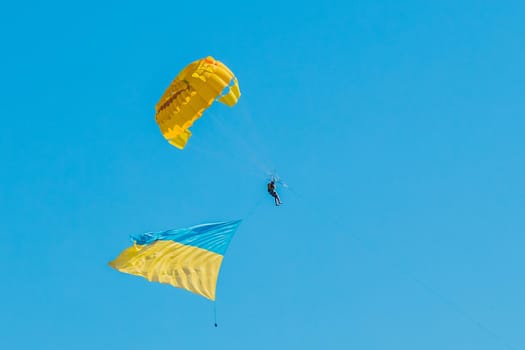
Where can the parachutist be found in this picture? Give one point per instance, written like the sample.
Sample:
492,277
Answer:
271,190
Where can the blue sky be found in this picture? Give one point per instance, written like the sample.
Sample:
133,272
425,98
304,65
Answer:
398,126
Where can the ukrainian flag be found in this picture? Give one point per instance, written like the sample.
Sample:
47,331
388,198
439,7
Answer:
188,258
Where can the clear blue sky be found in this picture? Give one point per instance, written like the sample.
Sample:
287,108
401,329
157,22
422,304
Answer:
399,126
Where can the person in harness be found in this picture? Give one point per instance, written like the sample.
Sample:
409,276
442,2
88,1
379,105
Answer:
271,190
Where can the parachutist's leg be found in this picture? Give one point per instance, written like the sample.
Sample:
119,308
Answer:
274,197
277,199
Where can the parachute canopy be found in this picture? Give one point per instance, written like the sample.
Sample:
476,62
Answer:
188,258
195,89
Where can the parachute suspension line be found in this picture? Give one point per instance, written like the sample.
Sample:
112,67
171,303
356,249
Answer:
246,163
222,158
239,143
253,135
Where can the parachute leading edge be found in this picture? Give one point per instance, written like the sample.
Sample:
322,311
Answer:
188,258
193,91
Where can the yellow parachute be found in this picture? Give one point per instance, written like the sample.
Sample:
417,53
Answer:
195,89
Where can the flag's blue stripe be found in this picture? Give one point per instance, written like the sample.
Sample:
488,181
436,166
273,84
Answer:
213,237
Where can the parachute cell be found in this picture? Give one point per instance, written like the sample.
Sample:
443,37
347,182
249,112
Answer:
188,258
193,91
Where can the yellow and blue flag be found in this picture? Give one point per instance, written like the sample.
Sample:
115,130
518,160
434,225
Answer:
188,258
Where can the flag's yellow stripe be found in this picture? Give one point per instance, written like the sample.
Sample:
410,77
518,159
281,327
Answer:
182,266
